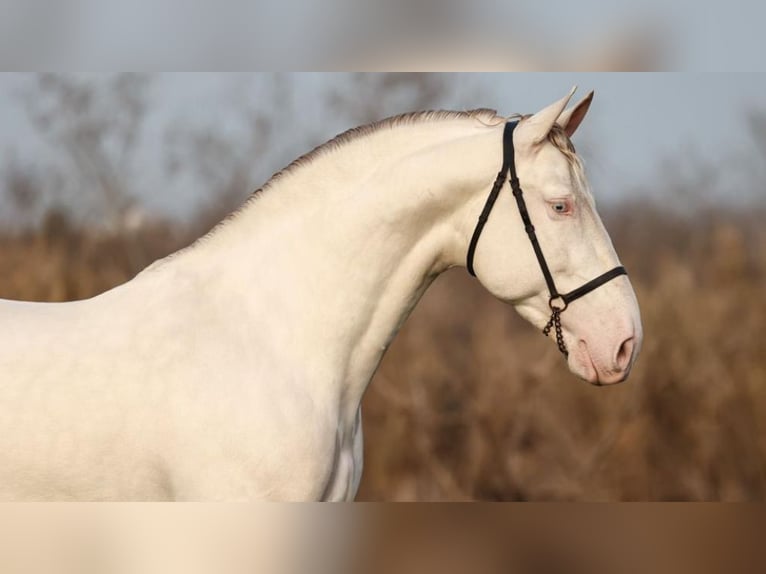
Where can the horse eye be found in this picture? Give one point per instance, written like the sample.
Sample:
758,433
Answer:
561,207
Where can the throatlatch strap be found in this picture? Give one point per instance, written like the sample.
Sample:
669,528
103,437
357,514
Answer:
483,220
490,203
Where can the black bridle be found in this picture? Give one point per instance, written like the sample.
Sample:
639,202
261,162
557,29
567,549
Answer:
558,302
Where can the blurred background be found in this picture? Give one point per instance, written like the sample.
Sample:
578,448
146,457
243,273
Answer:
101,174
128,538
417,35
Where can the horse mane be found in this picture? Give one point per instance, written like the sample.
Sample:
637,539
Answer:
486,116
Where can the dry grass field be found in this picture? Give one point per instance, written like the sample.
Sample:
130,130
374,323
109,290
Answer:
472,403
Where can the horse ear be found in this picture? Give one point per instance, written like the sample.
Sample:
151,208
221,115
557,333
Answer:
570,119
535,129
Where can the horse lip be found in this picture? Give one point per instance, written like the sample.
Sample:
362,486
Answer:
619,377
613,377
596,377
591,376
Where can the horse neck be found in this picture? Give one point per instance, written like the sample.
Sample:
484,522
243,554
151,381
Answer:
334,255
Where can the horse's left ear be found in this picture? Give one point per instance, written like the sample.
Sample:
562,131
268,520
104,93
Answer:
570,119
536,128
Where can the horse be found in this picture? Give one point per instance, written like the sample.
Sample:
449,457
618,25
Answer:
234,369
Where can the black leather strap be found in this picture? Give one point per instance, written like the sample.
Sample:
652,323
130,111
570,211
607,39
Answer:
502,176
528,227
594,284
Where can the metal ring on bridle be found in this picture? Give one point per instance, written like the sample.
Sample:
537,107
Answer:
554,307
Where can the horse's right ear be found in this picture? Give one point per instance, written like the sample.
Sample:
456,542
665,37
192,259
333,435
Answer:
535,129
570,119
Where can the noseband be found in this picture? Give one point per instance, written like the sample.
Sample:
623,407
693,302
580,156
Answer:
558,302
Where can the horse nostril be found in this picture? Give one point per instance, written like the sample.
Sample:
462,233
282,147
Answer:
624,354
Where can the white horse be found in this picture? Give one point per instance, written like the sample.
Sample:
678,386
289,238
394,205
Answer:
234,369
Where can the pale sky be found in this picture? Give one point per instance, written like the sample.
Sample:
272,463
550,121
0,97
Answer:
106,34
